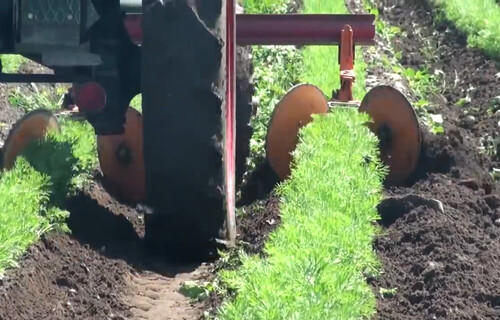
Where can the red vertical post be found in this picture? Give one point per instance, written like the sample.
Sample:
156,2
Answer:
346,61
230,134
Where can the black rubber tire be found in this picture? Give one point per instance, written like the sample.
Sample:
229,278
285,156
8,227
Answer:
244,93
182,88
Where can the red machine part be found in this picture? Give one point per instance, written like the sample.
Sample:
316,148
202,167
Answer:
287,29
31,127
230,145
346,61
122,161
291,113
394,120
90,97
302,29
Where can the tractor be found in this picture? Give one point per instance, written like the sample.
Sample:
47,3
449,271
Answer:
184,156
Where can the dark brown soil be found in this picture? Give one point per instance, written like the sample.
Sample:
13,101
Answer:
98,271
72,277
444,265
260,220
61,279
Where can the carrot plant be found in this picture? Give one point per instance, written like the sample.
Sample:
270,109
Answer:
33,193
316,260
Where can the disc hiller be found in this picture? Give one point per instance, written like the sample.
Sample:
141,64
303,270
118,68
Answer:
394,120
31,127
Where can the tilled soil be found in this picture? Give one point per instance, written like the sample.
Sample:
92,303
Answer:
443,262
100,271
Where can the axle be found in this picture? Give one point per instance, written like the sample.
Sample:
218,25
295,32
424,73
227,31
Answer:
286,29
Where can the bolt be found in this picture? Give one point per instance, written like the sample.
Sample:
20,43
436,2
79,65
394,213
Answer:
124,154
30,16
70,16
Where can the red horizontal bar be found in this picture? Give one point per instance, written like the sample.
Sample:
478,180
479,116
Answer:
133,24
302,29
287,29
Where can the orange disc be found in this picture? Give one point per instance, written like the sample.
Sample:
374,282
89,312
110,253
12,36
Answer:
291,113
396,125
122,161
32,126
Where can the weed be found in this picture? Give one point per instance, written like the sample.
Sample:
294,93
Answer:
495,174
38,99
276,70
136,103
488,146
422,82
388,293
196,291
469,18
463,102
11,63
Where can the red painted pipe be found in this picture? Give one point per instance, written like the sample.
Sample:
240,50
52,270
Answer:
230,132
302,29
287,29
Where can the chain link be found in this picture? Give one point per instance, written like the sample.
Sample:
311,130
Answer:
52,11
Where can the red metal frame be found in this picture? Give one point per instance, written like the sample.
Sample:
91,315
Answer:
287,29
346,61
303,29
230,114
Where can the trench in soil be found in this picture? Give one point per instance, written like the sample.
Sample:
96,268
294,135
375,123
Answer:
443,264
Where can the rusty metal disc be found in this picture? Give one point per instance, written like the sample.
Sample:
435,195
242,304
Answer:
122,162
291,113
396,125
32,126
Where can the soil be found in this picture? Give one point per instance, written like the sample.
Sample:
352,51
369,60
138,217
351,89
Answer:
443,264
100,271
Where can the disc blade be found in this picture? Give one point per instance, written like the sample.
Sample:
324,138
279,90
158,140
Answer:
32,126
291,113
121,160
396,125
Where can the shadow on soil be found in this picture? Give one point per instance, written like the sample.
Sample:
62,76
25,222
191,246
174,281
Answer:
114,230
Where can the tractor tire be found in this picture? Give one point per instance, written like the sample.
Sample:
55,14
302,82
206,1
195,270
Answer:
183,84
244,109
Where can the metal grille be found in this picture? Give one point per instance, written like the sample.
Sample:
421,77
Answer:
59,12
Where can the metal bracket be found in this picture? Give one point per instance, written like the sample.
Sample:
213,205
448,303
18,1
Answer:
344,95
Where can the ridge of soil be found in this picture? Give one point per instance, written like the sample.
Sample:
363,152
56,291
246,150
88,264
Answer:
100,271
443,264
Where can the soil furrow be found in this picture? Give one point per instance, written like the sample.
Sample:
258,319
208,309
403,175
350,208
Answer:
442,264
100,271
